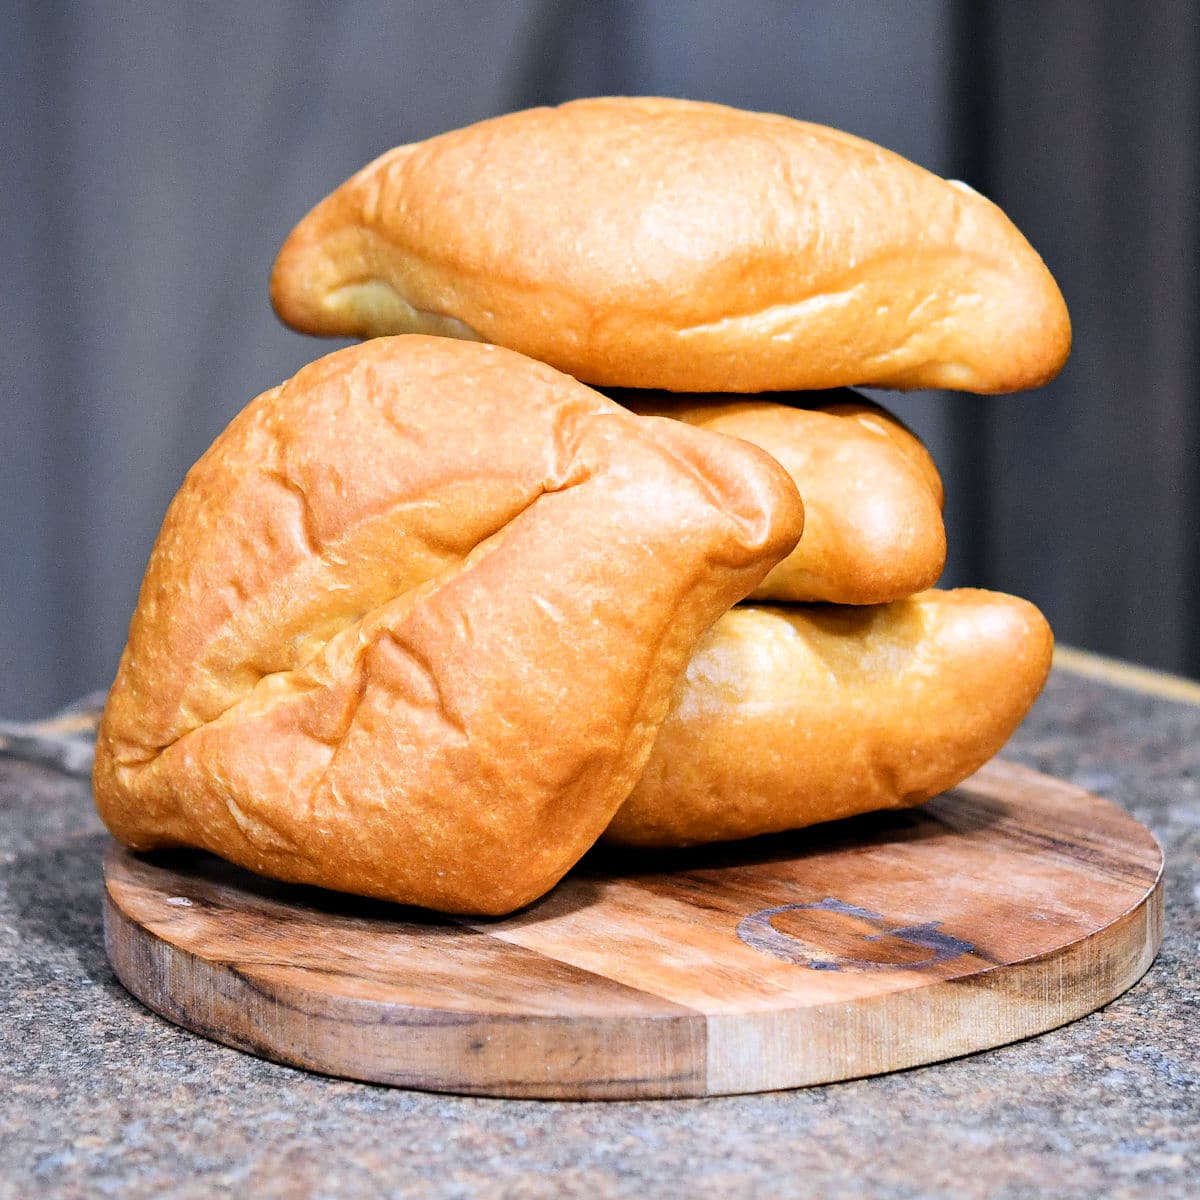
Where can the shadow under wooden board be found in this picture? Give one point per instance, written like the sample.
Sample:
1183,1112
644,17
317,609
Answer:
1008,906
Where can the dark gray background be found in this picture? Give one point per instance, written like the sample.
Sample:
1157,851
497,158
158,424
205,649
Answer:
155,155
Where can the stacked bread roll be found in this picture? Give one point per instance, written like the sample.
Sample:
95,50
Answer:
434,616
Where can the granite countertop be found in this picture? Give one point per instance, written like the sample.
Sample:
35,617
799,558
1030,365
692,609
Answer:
99,1097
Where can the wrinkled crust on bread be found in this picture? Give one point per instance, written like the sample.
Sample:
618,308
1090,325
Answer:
681,245
873,529
413,621
790,716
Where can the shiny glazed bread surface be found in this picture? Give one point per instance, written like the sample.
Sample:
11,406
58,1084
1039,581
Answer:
668,243
413,621
790,716
873,529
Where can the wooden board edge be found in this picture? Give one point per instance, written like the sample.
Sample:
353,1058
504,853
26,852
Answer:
961,1016
896,1031
660,1055
352,1038
1130,676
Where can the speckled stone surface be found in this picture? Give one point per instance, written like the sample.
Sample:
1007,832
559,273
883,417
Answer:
98,1097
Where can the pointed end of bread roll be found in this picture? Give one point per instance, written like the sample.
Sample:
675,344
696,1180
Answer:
332,276
997,647
1002,325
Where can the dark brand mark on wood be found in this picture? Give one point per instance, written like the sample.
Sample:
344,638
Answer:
834,936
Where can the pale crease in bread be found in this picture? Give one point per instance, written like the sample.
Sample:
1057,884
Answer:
681,245
873,529
413,621
791,716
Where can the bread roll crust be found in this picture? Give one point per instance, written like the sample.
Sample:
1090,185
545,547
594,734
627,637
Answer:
644,242
788,717
414,619
873,529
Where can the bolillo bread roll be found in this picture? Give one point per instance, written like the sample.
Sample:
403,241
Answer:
788,717
413,621
873,528
680,245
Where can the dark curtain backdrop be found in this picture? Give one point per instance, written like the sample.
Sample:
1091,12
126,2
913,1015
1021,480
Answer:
155,155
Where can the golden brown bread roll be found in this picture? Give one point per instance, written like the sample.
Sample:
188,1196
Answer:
790,716
413,621
873,529
680,245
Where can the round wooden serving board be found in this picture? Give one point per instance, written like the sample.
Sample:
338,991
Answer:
1011,905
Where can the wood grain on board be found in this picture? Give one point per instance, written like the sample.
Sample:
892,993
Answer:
1011,905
